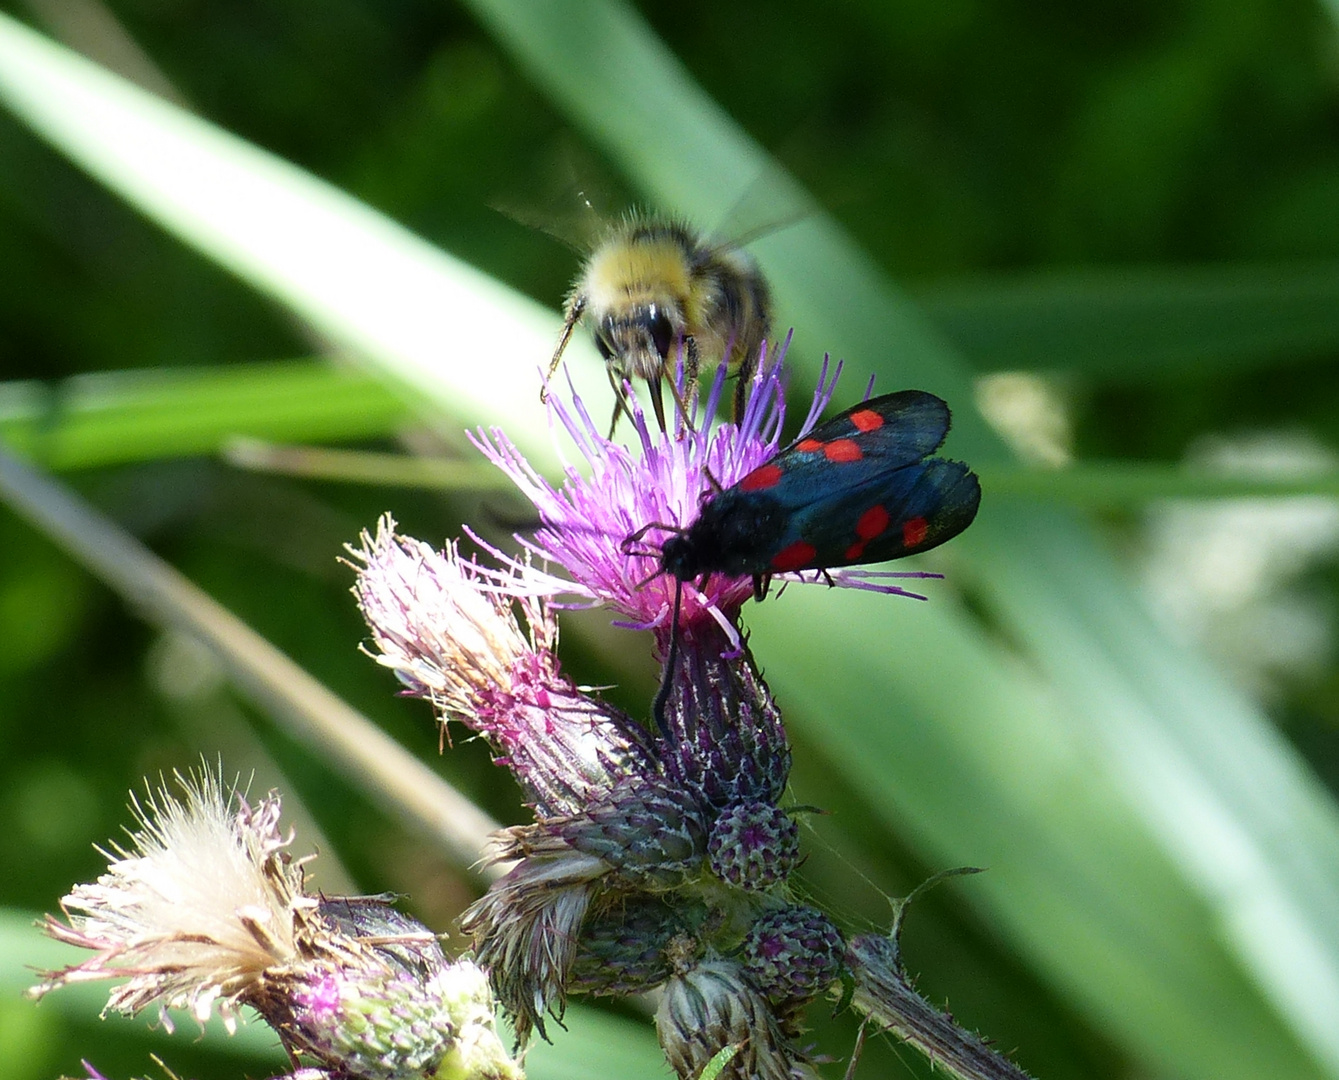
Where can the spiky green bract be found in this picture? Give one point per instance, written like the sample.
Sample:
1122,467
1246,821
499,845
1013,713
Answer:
713,1005
396,1008
625,947
632,871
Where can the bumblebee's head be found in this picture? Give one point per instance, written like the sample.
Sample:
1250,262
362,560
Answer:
639,341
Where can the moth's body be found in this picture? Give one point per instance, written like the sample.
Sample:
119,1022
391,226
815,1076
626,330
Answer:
860,488
731,535
654,289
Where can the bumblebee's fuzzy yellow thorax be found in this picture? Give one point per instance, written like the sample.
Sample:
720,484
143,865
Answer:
650,269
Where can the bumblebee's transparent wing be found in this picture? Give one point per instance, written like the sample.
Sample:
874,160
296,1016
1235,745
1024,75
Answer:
767,203
574,198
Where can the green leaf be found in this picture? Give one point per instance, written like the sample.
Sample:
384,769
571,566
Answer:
1137,325
719,1061
1124,483
118,417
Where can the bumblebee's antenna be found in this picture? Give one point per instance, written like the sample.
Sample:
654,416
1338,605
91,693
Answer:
574,313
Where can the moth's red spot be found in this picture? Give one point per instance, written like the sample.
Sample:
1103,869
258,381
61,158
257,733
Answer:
761,478
913,532
855,551
809,445
866,420
872,522
842,450
795,557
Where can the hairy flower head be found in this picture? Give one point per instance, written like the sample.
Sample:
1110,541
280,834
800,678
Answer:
451,634
199,905
205,907
604,529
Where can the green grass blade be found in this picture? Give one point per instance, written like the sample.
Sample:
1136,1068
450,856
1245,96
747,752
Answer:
310,711
118,417
366,467
1114,484
1136,325
434,324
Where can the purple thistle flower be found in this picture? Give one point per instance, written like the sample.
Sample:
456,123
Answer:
602,529
657,858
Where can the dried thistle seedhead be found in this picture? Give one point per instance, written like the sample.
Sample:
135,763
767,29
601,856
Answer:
204,908
194,910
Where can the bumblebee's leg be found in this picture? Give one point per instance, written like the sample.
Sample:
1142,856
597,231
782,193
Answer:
620,400
575,308
681,406
692,367
748,364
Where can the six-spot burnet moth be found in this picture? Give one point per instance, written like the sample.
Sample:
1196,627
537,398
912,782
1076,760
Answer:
861,488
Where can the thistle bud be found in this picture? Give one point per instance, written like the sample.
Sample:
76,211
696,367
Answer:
754,845
712,1006
793,953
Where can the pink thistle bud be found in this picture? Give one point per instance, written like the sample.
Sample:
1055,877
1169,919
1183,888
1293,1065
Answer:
452,635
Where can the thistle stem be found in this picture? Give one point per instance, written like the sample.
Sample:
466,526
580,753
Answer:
885,995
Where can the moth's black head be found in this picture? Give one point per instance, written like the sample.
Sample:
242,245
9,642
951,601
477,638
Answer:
680,557
735,533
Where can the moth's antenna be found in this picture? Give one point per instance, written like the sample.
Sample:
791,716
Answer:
662,695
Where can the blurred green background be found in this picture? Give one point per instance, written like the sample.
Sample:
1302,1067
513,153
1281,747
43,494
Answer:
1117,225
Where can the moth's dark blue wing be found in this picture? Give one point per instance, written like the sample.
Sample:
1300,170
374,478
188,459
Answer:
860,488
896,429
926,504
893,513
865,442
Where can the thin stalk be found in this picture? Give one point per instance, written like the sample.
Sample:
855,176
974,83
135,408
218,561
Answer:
392,776
885,995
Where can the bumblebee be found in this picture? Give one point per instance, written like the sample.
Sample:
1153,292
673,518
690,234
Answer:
654,290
